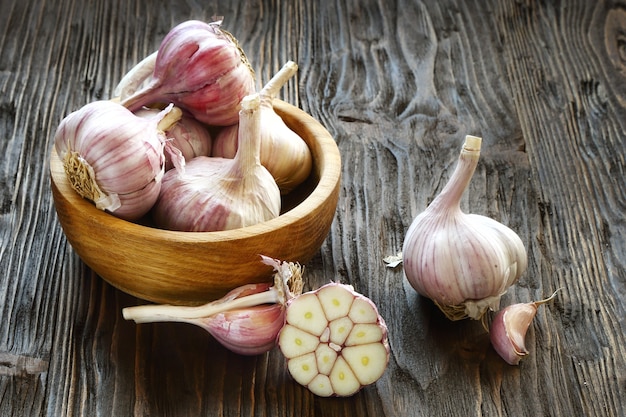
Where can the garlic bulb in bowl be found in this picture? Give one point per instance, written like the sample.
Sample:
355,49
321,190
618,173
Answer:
214,194
113,157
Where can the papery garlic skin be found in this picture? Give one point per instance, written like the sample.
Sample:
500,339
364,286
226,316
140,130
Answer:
463,262
113,157
201,68
216,194
187,135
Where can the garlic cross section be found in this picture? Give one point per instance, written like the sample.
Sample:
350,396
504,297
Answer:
335,341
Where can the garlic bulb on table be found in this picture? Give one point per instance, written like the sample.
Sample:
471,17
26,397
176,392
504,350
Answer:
463,262
202,69
247,320
283,152
113,157
221,194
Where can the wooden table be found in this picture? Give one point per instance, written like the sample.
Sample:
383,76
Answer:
398,84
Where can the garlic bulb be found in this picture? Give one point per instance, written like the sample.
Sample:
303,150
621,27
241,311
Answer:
202,69
247,320
188,136
221,194
508,329
249,331
113,157
463,262
283,152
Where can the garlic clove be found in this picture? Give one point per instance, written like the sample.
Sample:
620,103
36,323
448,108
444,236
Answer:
508,331
463,262
217,74
509,327
113,157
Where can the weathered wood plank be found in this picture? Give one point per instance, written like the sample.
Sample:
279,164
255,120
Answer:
398,85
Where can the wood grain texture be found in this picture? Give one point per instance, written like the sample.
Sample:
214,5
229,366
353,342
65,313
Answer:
398,85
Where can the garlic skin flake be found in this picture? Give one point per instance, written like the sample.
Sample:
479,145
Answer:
215,194
508,329
463,262
113,157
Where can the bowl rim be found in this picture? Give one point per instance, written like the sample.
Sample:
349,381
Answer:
329,178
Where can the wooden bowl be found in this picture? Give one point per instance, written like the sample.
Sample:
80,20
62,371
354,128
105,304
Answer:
195,267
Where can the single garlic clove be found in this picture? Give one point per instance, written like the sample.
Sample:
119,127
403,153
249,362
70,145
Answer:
334,340
509,327
508,331
217,74
113,157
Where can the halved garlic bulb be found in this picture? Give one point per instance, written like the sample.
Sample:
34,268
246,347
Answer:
335,341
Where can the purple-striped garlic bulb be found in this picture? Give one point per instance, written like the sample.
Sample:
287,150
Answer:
201,68
214,194
463,262
113,157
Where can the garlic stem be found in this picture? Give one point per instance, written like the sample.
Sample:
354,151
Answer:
450,196
248,154
134,78
279,80
163,313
